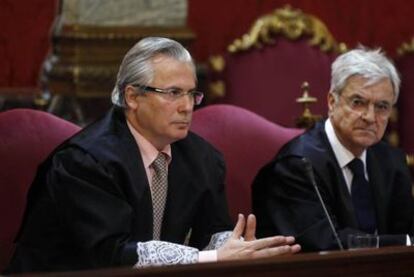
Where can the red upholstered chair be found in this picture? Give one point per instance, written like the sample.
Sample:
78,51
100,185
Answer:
247,141
26,138
263,70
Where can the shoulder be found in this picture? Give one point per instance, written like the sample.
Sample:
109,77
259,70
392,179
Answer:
389,164
387,154
197,145
105,143
199,157
312,144
106,131
107,138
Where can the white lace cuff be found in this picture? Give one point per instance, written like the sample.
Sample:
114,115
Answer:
157,253
217,240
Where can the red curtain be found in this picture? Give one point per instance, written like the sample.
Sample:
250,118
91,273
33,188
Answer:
24,40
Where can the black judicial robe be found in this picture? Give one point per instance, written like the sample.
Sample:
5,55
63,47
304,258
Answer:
285,201
90,202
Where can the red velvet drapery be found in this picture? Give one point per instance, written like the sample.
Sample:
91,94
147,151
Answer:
24,40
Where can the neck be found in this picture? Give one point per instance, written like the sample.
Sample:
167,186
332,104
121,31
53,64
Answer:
157,143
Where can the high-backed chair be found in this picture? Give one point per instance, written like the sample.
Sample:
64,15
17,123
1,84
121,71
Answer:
26,138
264,70
248,141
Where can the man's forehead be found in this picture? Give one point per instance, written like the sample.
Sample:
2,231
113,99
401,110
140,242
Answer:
159,58
360,85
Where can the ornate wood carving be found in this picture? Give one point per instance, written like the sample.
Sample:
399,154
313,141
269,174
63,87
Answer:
291,23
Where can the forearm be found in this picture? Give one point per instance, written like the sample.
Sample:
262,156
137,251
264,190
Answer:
159,253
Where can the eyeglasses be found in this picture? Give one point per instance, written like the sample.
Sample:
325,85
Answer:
173,94
360,104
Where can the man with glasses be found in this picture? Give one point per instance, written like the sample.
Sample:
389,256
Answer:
364,183
136,187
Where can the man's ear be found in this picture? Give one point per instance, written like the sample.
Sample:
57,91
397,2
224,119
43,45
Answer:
131,97
331,99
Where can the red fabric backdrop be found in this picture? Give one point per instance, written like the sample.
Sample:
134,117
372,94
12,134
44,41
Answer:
24,40
24,27
269,81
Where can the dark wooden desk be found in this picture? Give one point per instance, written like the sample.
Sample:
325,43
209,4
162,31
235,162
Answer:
392,261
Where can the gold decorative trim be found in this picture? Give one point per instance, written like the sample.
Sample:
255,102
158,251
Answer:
409,159
217,63
394,115
91,32
406,47
291,23
79,73
217,90
393,138
307,119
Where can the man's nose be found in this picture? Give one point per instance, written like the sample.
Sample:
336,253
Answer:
186,102
369,113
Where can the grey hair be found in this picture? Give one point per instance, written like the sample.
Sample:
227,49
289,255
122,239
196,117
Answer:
137,68
370,64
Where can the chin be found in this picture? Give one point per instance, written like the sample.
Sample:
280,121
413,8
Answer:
180,134
366,142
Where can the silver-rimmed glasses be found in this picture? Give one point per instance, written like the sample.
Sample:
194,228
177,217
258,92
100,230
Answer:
173,94
360,104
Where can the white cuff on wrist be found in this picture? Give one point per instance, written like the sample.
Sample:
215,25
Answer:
207,256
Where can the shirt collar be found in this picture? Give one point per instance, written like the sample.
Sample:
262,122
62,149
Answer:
343,155
148,151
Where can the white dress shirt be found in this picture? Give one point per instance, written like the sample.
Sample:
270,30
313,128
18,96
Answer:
343,155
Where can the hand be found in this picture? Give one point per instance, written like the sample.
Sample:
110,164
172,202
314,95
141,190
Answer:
252,248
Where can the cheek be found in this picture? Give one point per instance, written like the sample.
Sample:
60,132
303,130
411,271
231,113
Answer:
381,127
345,118
165,117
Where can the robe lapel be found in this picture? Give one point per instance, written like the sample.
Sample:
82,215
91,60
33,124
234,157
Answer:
139,192
378,184
332,175
182,193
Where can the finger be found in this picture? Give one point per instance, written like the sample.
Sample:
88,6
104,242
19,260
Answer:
295,248
268,242
274,251
250,232
287,240
290,240
239,228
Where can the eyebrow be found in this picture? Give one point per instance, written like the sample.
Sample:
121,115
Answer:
355,95
385,102
181,89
